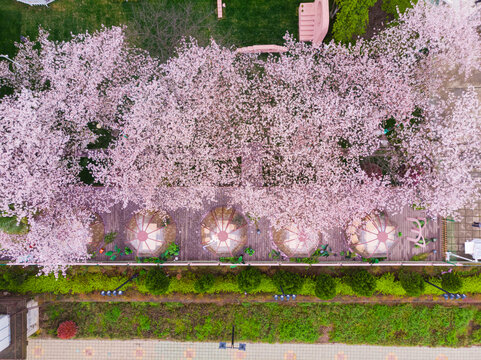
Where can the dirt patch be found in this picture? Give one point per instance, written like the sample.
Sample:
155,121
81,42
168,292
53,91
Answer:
377,20
324,338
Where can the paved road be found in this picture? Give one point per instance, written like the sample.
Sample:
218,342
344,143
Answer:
167,350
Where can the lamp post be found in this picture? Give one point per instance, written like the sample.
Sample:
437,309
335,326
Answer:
14,62
117,291
223,345
448,295
284,296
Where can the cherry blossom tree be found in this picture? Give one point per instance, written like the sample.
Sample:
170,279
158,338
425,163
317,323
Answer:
35,162
327,110
316,136
180,136
56,237
436,152
58,90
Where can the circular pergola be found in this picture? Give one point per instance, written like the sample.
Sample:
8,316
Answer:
224,231
98,231
295,241
149,233
372,237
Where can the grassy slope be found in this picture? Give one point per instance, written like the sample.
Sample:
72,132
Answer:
353,324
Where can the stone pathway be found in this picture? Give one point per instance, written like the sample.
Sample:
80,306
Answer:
53,349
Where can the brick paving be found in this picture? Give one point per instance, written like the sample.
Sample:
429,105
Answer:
53,349
459,232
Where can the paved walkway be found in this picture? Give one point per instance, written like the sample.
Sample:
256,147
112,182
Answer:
166,350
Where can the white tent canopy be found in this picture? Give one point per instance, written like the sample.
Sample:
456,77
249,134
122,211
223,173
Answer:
36,2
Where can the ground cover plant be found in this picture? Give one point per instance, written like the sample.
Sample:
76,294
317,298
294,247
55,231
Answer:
352,324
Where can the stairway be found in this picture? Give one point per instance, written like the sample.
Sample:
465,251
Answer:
306,21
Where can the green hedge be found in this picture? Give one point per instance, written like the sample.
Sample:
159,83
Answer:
91,281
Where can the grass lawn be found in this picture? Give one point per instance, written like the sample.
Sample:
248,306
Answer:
248,22
309,323
260,21
61,18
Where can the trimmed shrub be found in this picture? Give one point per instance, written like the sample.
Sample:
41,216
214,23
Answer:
156,281
67,330
412,282
325,287
451,282
204,283
249,279
291,282
352,19
362,282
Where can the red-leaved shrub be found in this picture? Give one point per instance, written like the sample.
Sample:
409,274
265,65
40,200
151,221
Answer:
67,330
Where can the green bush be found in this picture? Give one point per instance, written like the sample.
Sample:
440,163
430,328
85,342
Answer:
291,283
362,282
325,287
413,283
249,279
204,283
156,281
352,19
451,282
389,6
